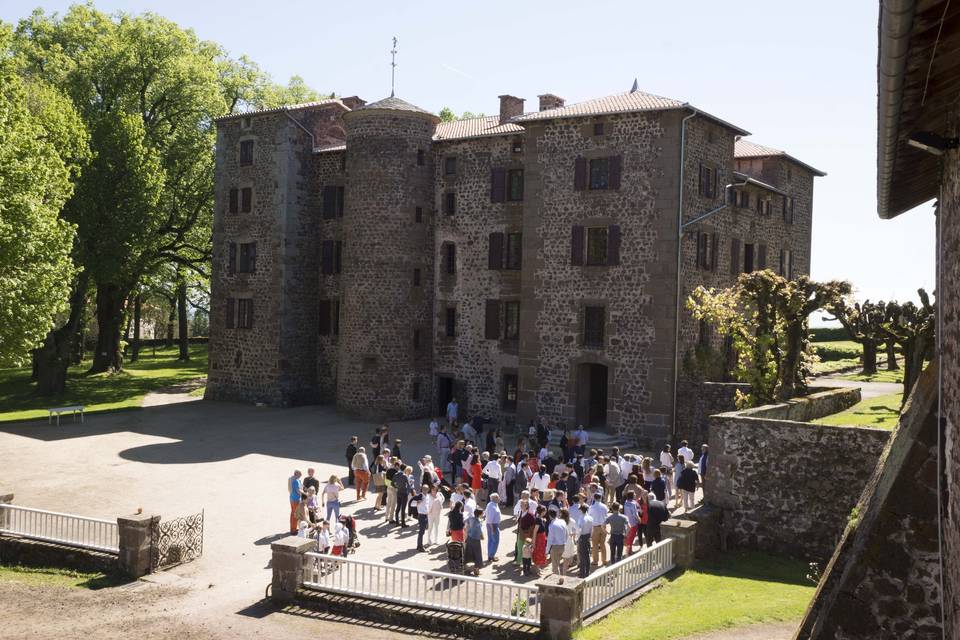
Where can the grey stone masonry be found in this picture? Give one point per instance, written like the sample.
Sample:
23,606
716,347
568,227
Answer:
136,544
561,607
287,565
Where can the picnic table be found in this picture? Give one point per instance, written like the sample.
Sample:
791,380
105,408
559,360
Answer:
73,409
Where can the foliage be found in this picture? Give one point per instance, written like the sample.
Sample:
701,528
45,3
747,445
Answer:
880,411
447,115
864,323
827,334
912,327
731,590
157,368
246,87
704,363
766,315
58,577
836,350
43,145
519,606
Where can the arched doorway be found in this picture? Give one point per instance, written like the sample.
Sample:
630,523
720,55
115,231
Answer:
592,395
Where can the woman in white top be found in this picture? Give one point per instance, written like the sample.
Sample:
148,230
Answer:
433,516
540,480
570,548
666,460
331,497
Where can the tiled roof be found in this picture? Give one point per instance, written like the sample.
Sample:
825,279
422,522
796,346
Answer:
474,128
394,104
333,147
618,103
747,149
286,107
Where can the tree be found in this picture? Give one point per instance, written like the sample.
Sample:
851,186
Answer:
913,328
447,115
766,317
864,323
43,146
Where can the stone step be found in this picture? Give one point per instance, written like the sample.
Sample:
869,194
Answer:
596,440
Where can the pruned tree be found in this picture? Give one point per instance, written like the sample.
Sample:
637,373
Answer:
913,328
864,323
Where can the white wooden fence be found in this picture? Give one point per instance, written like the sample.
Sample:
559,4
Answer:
617,580
61,528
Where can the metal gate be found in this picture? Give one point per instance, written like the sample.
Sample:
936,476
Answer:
176,541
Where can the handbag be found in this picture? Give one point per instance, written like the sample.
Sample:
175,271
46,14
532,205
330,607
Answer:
379,480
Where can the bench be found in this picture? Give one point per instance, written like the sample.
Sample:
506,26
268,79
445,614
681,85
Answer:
72,409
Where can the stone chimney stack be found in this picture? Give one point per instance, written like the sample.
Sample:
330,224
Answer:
550,101
510,107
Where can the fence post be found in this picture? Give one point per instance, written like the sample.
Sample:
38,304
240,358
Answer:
684,534
136,542
6,498
288,567
561,607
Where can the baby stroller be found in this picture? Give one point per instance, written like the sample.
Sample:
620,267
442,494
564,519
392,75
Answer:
354,540
455,557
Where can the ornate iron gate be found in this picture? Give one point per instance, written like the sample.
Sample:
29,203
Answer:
176,541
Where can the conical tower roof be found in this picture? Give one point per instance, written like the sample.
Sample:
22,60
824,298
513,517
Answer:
394,104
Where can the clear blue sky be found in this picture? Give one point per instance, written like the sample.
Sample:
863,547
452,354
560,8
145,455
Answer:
800,76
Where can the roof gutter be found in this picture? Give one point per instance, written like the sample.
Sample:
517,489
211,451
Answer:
895,24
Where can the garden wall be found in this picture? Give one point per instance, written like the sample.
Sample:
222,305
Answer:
697,401
788,486
34,553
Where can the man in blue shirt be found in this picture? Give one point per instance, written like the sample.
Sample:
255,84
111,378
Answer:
556,541
453,409
492,514
295,489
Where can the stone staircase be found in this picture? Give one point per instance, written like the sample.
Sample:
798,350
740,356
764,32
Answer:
597,440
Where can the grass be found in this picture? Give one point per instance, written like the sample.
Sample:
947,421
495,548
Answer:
732,590
198,392
882,375
54,577
100,392
881,411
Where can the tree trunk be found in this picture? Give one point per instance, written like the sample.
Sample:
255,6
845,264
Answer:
892,356
171,317
78,346
135,345
182,328
34,357
791,361
110,302
914,353
53,358
869,357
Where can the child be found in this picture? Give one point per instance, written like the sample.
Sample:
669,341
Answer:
527,557
659,485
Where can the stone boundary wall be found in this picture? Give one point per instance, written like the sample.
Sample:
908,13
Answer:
819,402
34,553
787,486
697,401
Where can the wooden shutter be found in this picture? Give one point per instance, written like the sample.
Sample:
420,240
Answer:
330,201
492,323
246,200
714,250
576,245
716,183
782,265
248,317
232,263
701,184
252,257
699,257
340,191
326,316
498,184
234,201
326,257
338,256
615,167
735,256
231,306
580,174
613,243
762,257
495,255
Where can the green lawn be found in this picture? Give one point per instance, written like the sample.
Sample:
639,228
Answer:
100,392
881,411
733,590
882,375
52,577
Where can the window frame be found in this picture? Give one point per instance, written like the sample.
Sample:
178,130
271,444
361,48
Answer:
511,320
588,233
514,196
450,203
598,174
246,153
450,322
449,166
508,382
594,335
244,313
513,251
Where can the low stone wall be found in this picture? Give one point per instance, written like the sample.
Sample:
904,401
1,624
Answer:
697,401
819,402
33,553
787,486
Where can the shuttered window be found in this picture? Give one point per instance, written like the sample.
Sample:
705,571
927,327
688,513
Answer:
613,244
329,201
416,339
576,245
708,181
762,256
325,320
336,317
232,259
599,173
748,264
615,168
338,256
594,318
418,214
450,203
714,251
498,184
511,320
450,166
450,258
510,391
735,265
597,245
248,258
788,203
450,322
229,322
244,313
416,277
327,257
515,185
234,205
495,251
246,153
514,255
491,323
580,174
246,200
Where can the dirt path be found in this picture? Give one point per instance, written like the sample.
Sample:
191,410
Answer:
174,394
773,631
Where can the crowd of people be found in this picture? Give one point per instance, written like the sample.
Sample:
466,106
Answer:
574,507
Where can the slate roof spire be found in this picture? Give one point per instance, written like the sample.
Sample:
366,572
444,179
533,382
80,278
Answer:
635,87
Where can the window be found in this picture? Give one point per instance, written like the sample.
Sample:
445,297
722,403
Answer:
232,260
450,322
511,320
331,257
450,258
421,157
744,200
333,201
450,166
246,200
229,320
510,388
708,246
514,251
704,333
418,214
596,245
748,258
517,146
708,182
761,256
450,203
248,257
246,153
598,129
416,277
234,206
735,263
415,392
599,173
336,317
788,203
786,264
416,339
329,320
594,319
244,313
515,185
246,123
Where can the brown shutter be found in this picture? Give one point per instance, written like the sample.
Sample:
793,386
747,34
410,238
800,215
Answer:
735,256
576,245
252,258
231,305
325,317
613,244
234,200
714,250
326,257
498,184
248,321
762,257
232,263
495,254
716,183
338,256
492,324
340,191
701,185
246,200
580,174
782,272
330,201
615,168
698,260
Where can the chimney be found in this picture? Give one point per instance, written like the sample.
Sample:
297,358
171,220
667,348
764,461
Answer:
510,107
550,101
353,102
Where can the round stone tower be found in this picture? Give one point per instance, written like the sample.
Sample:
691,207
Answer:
384,366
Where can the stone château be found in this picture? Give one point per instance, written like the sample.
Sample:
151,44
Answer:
527,263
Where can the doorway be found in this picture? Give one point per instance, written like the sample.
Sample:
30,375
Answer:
592,395
447,389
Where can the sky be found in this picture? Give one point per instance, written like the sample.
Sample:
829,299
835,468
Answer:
801,76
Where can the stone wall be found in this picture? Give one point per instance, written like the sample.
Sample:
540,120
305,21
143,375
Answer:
819,402
788,487
697,401
328,170
34,553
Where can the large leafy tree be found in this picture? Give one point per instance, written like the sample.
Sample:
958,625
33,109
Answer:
913,328
43,146
864,323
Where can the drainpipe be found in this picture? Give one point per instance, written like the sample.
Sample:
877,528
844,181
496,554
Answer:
313,141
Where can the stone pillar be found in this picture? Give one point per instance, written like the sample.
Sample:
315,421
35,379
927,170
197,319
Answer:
288,567
6,498
684,534
135,544
561,607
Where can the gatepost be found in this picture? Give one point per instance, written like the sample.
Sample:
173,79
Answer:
136,544
6,498
561,607
288,567
684,534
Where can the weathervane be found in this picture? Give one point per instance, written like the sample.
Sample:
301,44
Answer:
393,65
